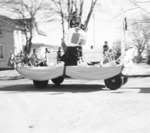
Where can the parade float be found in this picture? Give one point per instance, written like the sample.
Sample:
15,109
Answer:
69,64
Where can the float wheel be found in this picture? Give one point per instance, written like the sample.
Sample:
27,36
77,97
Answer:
113,83
57,81
40,84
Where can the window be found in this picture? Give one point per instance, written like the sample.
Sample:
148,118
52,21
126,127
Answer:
1,52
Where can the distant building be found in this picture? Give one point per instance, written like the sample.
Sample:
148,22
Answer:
11,39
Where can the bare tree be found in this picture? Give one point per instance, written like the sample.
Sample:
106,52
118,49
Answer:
137,4
27,12
71,12
141,36
58,9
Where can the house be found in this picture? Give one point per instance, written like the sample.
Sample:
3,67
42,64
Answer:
11,39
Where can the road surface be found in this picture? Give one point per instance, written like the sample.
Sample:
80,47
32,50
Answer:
78,106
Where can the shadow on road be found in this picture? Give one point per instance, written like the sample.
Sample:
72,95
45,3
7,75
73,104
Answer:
127,90
74,88
3,78
144,90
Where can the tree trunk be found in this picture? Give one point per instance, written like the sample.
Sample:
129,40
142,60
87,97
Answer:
63,44
89,14
28,46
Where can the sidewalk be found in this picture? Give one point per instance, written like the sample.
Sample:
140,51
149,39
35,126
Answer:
137,70
10,75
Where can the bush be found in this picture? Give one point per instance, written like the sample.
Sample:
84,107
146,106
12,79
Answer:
148,59
137,59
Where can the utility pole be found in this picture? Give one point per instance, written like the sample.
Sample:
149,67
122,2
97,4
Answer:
93,29
124,42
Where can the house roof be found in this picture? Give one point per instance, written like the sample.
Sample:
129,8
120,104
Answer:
6,22
13,23
21,22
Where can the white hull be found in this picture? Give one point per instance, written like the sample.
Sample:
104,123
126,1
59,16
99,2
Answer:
77,72
93,72
41,73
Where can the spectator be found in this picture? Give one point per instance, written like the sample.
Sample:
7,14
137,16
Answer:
105,48
92,47
59,55
11,60
79,49
107,53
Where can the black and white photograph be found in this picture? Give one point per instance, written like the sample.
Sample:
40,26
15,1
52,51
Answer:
74,66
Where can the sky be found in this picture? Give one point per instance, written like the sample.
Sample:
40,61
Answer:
105,24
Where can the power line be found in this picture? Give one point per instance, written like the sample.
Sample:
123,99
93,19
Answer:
134,8
135,4
124,11
143,2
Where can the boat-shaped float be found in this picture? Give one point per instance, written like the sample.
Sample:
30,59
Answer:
41,75
93,72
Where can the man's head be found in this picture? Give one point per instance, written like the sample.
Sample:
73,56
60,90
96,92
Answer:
105,46
105,42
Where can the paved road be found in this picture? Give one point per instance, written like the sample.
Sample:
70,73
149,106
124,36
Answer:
78,106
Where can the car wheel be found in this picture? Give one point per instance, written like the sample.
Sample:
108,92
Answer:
114,82
57,81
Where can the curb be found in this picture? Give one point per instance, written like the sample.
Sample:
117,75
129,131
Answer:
136,76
